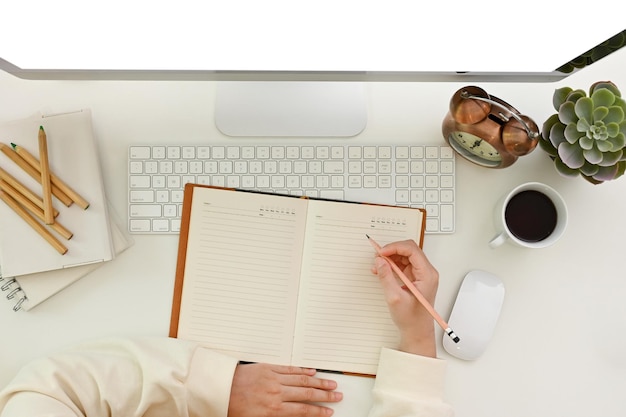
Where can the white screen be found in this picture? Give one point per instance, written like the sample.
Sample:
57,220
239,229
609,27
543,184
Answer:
294,35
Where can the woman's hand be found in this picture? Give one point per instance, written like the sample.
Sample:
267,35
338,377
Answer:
417,328
259,390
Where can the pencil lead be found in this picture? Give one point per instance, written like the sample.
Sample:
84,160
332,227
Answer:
13,145
40,127
368,236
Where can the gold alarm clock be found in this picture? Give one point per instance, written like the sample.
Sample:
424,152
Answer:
486,130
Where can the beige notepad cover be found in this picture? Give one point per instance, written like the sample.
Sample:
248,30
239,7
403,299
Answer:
73,157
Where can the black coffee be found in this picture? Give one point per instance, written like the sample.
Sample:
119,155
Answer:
530,216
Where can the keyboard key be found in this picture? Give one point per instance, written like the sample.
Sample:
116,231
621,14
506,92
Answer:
354,152
332,194
333,167
145,210
139,225
173,152
336,152
447,217
160,225
142,196
189,152
136,167
139,181
139,152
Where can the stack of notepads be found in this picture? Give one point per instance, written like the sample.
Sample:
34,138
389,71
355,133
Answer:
32,269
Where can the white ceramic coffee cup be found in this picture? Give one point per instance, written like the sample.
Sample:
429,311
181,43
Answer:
504,232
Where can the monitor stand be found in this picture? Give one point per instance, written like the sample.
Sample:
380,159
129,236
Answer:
290,108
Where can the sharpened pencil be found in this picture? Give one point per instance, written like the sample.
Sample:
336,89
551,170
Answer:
44,171
56,181
413,289
21,162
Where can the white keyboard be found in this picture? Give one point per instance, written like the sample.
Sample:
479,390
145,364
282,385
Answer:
417,176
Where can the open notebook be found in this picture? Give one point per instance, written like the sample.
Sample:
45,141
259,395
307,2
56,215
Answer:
286,280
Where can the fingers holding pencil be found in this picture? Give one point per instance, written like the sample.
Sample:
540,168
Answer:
418,276
409,258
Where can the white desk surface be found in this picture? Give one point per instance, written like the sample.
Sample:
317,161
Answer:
559,347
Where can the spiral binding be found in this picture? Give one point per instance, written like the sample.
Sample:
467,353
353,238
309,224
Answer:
13,291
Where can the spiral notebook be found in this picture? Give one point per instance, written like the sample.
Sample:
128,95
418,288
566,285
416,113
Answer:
31,271
27,291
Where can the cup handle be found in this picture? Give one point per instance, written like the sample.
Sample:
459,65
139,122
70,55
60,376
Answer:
498,240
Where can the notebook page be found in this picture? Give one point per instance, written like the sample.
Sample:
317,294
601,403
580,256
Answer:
240,285
343,319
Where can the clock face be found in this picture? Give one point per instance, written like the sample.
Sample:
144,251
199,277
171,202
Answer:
475,149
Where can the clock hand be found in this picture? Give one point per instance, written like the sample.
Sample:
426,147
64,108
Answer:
476,144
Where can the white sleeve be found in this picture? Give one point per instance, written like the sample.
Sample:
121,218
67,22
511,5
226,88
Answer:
409,386
123,377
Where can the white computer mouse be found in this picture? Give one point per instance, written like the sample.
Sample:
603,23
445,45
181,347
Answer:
475,314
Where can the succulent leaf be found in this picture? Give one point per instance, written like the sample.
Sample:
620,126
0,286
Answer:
584,108
583,126
564,169
546,145
572,134
602,97
593,156
618,141
612,129
547,125
599,113
571,155
586,143
606,173
607,85
557,134
611,158
575,95
589,169
567,113
559,97
604,146
615,114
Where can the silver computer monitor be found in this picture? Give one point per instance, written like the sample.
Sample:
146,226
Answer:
296,68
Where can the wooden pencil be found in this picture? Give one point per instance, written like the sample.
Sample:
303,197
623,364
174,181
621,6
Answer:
34,209
46,185
25,191
413,289
32,222
55,180
19,161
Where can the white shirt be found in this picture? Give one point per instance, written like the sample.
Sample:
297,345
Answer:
153,377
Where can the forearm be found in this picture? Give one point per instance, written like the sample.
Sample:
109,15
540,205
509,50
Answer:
419,343
123,378
409,385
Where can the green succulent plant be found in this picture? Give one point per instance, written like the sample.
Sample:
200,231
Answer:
588,134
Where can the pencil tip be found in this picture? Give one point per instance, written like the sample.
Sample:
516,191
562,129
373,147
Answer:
368,236
40,127
13,145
